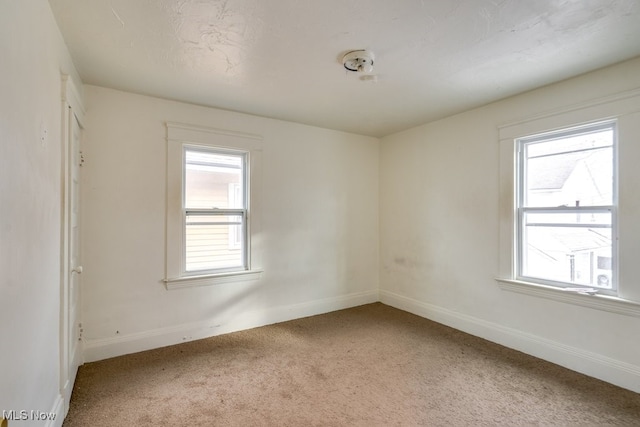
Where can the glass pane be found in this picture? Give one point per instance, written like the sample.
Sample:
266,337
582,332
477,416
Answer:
213,180
573,142
571,171
579,255
214,242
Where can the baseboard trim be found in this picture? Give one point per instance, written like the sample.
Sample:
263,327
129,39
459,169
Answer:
99,349
619,373
59,410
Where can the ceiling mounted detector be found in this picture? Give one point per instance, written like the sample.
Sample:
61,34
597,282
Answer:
359,61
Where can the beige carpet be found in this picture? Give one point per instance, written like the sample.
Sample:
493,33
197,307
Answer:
366,366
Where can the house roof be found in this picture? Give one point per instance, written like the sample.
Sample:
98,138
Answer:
552,172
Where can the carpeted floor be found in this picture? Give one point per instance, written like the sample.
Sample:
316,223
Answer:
367,366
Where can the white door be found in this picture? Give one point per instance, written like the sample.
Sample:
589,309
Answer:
75,265
71,267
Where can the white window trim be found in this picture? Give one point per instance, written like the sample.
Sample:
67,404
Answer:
179,135
597,301
621,107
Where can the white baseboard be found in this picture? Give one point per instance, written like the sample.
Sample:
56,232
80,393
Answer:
100,349
622,374
58,408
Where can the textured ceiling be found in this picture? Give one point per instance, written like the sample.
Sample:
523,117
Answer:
281,58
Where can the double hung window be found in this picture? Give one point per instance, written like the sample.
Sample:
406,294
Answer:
215,210
566,207
213,206
569,207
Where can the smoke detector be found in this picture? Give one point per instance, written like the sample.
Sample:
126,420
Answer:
359,61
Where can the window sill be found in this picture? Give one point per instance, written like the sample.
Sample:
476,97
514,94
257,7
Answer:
212,279
595,301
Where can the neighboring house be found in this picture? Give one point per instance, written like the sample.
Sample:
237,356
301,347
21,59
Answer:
212,242
579,255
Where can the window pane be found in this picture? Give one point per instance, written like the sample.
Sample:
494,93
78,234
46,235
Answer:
568,142
570,171
579,255
214,242
213,180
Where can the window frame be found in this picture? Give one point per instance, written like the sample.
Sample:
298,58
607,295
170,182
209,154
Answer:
521,209
180,136
623,107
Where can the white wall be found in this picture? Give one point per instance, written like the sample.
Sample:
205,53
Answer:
33,56
439,214
319,226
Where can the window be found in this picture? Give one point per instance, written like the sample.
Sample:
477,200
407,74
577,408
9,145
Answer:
566,213
215,210
569,205
213,206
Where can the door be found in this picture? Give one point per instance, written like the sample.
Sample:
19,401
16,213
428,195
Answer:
70,263
75,266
